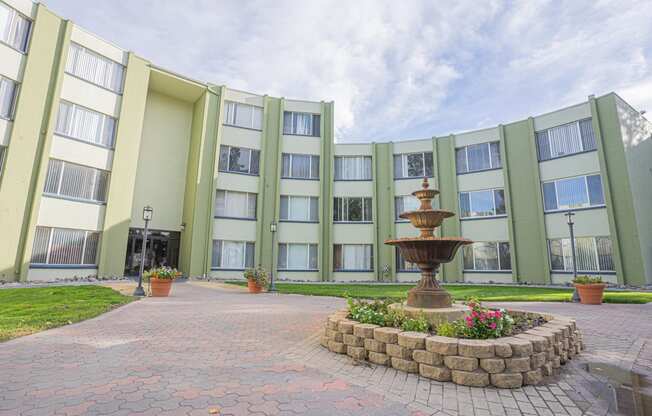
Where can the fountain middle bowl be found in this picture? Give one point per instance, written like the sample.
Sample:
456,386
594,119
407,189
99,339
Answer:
429,250
426,218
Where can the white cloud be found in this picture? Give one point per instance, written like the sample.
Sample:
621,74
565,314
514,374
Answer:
395,69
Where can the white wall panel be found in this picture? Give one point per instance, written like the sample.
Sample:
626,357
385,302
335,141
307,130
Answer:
62,213
91,96
81,153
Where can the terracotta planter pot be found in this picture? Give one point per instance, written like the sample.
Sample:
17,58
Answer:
591,294
160,287
253,287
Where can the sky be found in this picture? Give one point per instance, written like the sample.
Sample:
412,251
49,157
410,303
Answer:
395,69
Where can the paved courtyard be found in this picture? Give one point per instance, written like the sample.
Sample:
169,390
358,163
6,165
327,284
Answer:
207,350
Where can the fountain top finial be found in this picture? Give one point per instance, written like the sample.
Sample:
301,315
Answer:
425,184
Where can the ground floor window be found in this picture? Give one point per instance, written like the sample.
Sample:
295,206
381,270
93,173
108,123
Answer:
487,256
237,255
63,246
592,254
162,250
403,265
299,256
353,257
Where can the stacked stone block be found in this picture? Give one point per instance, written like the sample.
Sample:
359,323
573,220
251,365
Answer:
508,362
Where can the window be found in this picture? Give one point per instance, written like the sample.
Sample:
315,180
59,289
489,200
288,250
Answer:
573,193
352,210
8,90
59,246
301,124
592,254
231,204
353,257
243,115
297,256
76,181
85,124
487,256
239,160
353,168
2,157
413,165
297,166
14,28
482,203
236,255
299,208
566,140
403,204
94,68
403,265
476,157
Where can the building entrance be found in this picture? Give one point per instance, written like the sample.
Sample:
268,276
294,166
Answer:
162,250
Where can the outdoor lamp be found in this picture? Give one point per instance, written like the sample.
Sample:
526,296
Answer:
148,213
272,229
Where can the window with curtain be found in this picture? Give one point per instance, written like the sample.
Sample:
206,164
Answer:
301,124
592,254
75,181
297,256
478,157
243,115
8,89
94,68
413,165
14,28
353,168
487,256
299,166
63,246
232,255
353,257
403,265
568,139
299,208
352,209
487,203
239,160
403,204
573,193
232,204
85,124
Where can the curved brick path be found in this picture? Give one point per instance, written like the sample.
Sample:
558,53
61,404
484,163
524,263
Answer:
207,349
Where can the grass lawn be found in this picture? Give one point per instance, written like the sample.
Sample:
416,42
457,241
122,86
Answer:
459,292
27,310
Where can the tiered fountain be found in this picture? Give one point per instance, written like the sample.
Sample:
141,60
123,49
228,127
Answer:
428,253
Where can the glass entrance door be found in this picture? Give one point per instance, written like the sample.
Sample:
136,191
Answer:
162,250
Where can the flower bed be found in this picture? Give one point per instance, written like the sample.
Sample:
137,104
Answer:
504,362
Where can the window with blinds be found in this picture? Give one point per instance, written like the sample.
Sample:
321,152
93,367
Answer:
353,257
3,150
243,115
487,256
486,203
14,28
568,139
403,204
95,68
592,254
233,255
63,246
299,166
76,181
232,204
297,256
413,165
352,209
478,157
403,265
353,168
573,193
8,89
239,160
84,124
299,208
301,124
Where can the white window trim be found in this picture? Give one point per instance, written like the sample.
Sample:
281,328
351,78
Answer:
226,197
291,158
500,269
104,117
579,134
309,198
594,243
96,172
228,161
72,265
287,257
120,90
251,121
28,38
345,201
493,199
244,254
586,191
404,165
364,158
466,157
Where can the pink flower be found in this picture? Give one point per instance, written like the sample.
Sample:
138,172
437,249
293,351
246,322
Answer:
474,314
469,324
498,314
483,317
492,325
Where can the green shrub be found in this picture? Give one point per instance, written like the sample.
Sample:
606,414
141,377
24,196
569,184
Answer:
587,280
378,312
449,329
419,324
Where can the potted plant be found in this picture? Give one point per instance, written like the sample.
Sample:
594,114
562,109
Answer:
590,289
161,279
256,279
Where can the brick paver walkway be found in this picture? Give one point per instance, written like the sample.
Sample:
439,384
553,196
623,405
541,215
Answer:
214,351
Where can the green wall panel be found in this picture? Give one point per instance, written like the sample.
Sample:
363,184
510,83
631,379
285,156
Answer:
513,250
383,191
326,191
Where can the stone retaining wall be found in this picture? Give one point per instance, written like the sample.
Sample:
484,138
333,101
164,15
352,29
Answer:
507,362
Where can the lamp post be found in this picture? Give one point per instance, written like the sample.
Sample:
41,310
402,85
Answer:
148,213
272,229
571,224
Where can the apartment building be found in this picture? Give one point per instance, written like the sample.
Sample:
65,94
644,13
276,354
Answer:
90,134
